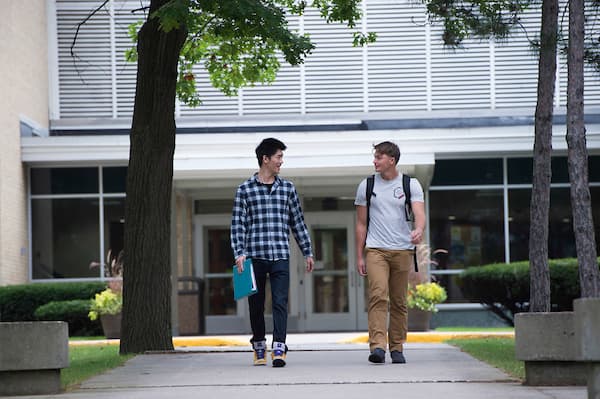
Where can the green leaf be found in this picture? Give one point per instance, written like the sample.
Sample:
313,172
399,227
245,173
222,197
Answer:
242,42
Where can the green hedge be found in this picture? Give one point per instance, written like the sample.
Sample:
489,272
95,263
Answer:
19,302
75,312
504,288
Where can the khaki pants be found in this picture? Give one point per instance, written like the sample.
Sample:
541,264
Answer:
387,272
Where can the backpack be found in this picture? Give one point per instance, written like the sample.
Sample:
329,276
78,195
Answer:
407,203
405,188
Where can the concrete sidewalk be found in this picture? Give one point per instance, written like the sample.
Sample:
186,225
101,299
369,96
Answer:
319,366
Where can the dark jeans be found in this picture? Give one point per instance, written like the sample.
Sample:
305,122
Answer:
279,277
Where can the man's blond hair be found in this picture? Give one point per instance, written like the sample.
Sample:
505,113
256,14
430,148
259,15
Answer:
388,148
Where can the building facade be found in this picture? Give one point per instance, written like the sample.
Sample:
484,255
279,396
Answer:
23,112
463,120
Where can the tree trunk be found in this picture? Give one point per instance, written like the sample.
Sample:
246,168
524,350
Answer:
542,152
146,323
583,224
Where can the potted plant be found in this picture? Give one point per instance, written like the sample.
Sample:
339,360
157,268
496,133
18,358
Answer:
421,301
107,306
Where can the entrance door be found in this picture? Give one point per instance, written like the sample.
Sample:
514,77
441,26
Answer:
331,298
334,292
213,261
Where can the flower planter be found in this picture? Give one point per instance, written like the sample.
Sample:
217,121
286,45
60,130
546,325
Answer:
546,342
32,353
418,320
111,324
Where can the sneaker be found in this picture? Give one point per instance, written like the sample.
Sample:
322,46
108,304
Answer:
398,357
260,353
377,356
278,354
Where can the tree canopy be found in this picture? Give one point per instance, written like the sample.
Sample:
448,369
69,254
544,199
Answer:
240,43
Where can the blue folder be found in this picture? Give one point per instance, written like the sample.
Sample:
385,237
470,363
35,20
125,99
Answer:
244,283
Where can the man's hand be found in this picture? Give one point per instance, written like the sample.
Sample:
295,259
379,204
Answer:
310,264
361,266
240,263
416,236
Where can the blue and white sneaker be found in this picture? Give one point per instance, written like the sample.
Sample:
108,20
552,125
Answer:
260,353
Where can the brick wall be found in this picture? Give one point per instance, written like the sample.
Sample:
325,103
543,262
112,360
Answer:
23,93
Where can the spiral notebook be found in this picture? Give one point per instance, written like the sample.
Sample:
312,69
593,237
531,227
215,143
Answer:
244,283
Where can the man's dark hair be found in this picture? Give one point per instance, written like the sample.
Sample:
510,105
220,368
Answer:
268,147
388,148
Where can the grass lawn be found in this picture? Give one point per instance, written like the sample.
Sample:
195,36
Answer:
498,352
88,361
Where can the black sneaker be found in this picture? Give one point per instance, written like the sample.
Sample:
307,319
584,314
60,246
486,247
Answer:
377,356
398,357
278,354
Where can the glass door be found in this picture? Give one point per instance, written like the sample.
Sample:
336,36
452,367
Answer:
332,295
213,262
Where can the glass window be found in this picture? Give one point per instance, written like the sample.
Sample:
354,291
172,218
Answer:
328,204
520,170
114,179
561,238
64,181
65,238
594,168
469,225
560,170
467,172
595,194
518,218
114,228
205,207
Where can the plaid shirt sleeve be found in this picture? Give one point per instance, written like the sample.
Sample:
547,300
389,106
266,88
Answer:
297,224
239,224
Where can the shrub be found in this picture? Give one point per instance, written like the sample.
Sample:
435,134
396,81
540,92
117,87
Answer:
19,302
504,288
74,312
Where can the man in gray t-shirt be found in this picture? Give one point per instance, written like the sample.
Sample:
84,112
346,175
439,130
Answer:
385,250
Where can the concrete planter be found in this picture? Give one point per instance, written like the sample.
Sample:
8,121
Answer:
546,343
587,328
31,357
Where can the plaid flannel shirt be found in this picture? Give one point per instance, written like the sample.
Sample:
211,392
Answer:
261,220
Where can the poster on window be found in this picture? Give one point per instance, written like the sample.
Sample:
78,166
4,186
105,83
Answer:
465,246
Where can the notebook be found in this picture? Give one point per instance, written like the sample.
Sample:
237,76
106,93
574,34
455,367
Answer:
244,283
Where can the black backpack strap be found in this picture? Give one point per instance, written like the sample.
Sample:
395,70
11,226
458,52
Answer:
407,203
408,211
370,193
415,260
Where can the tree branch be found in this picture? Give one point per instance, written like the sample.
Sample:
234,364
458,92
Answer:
79,25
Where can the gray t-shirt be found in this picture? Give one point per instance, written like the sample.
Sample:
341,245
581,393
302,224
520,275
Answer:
388,227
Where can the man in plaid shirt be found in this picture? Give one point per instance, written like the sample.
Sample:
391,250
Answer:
265,208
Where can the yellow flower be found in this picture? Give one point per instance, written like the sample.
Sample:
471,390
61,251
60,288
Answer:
106,302
425,296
